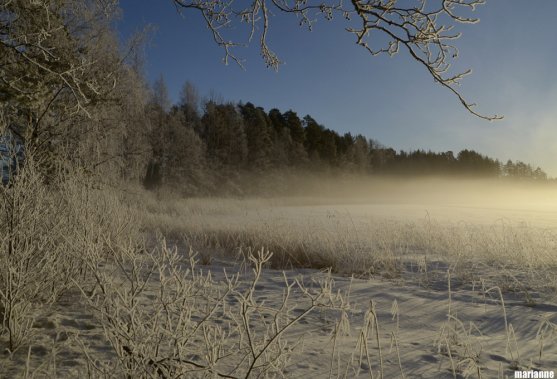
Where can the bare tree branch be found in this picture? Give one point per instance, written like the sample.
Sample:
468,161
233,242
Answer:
423,28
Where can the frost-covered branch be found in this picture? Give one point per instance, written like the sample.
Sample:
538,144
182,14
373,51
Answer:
423,28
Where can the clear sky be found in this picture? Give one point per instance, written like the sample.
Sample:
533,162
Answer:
512,52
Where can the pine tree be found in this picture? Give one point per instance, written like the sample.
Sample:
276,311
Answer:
258,137
225,136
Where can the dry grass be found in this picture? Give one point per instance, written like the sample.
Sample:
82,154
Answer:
156,314
506,253
83,293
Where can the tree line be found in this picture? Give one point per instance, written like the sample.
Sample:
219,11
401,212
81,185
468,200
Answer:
197,142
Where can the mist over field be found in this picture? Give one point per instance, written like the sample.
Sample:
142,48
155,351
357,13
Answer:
474,200
356,225
471,200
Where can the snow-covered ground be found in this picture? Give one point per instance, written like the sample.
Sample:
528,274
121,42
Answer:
463,289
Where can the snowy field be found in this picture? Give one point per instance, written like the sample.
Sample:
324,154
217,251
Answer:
439,284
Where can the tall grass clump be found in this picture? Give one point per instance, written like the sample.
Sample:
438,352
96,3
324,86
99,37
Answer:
165,317
52,229
36,262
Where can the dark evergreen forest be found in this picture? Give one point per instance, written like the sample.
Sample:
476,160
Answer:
201,144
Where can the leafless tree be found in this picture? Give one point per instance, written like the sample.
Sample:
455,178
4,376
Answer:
65,86
423,28
47,47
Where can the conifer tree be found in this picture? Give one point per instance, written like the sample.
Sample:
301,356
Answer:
258,137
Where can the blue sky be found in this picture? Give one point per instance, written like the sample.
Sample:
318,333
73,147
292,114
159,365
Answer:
512,53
